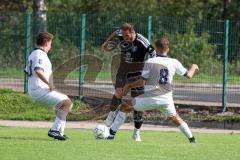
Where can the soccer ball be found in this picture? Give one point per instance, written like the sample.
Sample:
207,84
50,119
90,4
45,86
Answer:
101,131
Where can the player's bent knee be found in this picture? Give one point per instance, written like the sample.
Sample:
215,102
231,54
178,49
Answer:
177,119
67,105
70,105
125,108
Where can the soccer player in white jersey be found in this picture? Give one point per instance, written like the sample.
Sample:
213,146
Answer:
157,77
40,85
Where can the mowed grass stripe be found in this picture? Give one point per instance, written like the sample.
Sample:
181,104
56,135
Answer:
30,143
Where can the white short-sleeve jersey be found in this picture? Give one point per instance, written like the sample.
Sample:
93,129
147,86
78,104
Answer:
38,59
159,72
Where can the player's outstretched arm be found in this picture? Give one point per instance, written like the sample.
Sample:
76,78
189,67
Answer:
110,38
135,84
41,75
194,68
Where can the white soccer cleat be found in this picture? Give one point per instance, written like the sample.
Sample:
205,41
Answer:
136,137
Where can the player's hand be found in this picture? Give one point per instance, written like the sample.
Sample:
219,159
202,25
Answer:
51,87
104,45
195,66
118,92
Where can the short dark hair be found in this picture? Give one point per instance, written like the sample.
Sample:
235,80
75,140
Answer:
43,38
162,44
127,26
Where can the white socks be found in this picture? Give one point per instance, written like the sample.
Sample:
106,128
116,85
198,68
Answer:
59,125
56,125
136,131
110,118
60,121
63,124
119,120
185,129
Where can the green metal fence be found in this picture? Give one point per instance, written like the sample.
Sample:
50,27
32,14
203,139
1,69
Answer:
83,69
12,43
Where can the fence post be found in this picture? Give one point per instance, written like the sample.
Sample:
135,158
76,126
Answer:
82,49
225,62
27,47
149,28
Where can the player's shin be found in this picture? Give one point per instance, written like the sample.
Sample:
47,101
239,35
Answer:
110,118
118,121
112,114
60,121
56,124
63,125
138,119
185,130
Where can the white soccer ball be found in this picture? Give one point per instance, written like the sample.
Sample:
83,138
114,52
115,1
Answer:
101,131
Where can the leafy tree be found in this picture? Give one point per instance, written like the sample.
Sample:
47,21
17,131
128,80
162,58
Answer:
14,5
170,8
191,48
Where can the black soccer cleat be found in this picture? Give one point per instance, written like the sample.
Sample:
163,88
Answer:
66,136
56,135
110,138
192,140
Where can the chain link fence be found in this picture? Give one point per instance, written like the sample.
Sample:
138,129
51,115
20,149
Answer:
81,68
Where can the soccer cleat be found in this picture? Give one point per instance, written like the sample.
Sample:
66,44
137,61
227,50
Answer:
192,140
66,136
136,137
110,138
56,135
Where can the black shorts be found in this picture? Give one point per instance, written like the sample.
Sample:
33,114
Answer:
137,91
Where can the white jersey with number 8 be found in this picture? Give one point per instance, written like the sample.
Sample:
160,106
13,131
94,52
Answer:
158,73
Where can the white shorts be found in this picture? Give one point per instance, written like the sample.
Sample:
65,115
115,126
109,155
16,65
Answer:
50,98
164,103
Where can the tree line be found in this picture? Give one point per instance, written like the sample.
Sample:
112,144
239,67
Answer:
217,9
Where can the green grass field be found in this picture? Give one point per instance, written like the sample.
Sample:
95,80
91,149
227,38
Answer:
18,106
25,143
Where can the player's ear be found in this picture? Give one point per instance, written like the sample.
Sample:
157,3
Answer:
168,49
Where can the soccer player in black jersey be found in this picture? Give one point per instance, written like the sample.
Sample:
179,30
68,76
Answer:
134,49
